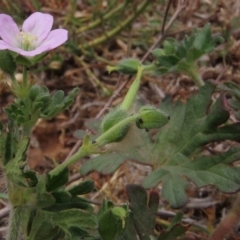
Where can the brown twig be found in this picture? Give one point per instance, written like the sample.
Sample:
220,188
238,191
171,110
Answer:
200,24
161,36
165,16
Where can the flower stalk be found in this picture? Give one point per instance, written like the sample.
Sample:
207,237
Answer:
25,77
87,146
133,90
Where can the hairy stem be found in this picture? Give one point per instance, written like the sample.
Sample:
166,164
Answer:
25,77
81,153
196,77
89,148
14,82
133,90
14,224
103,139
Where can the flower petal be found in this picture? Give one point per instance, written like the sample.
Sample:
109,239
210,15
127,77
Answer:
4,45
55,38
35,52
8,29
38,24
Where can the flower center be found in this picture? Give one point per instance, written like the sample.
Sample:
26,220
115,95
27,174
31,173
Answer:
27,41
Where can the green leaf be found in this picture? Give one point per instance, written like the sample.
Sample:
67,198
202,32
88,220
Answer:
58,96
126,66
203,37
19,59
216,116
167,61
158,52
68,224
40,227
175,230
55,182
45,200
64,201
34,91
106,205
3,196
168,46
108,162
110,225
141,221
176,153
7,62
82,188
74,218
181,56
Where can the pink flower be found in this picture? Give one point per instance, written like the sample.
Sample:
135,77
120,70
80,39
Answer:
35,36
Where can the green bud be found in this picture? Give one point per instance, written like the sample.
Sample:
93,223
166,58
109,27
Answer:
7,63
111,119
127,66
151,117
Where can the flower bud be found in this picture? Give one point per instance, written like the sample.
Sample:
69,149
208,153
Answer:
127,66
7,63
111,119
151,117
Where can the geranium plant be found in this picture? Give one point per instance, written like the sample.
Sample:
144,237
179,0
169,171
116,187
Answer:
44,207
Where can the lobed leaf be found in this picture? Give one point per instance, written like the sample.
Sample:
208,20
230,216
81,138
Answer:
141,221
177,147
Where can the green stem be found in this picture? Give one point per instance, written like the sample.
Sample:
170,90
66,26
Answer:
193,73
14,224
14,82
25,81
133,90
148,68
83,151
103,139
87,149
117,29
